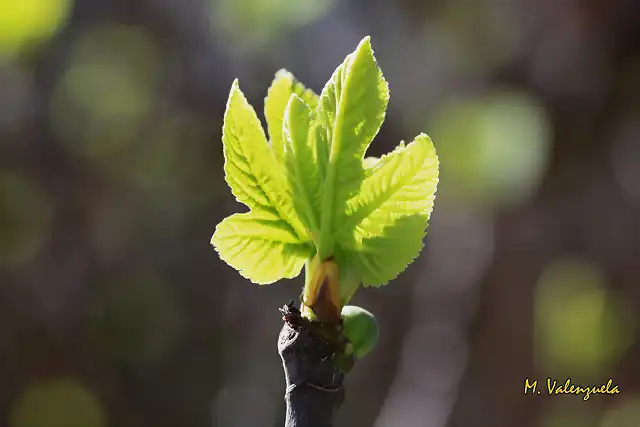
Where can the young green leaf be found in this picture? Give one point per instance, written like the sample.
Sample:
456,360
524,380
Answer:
250,167
261,246
361,329
313,185
351,110
270,242
301,162
281,89
386,221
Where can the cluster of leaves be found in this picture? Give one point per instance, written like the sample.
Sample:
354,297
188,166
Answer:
310,190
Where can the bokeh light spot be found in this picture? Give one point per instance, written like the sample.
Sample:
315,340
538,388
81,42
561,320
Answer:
580,329
26,21
493,150
255,21
107,91
57,403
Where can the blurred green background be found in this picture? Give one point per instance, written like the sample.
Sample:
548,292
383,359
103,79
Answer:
116,311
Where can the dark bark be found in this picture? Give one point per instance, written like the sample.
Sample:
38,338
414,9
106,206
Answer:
314,365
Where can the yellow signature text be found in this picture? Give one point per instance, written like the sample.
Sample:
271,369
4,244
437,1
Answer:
555,388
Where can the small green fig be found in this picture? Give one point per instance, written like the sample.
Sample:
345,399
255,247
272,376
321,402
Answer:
360,328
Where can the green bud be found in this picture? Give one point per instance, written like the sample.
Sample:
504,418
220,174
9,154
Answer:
360,328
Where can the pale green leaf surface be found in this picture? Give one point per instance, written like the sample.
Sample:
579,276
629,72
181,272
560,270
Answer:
322,152
275,103
351,110
250,167
386,221
370,162
301,162
261,246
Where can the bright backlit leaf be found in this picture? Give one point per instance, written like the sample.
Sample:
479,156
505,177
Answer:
386,221
351,110
251,242
302,164
282,87
312,192
261,246
250,166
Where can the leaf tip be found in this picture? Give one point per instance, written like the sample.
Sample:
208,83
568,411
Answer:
366,40
295,105
233,92
423,138
283,73
295,98
365,48
365,45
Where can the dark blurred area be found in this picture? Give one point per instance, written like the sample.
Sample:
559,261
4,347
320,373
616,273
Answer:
116,311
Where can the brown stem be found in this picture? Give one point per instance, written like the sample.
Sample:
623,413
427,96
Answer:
314,363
